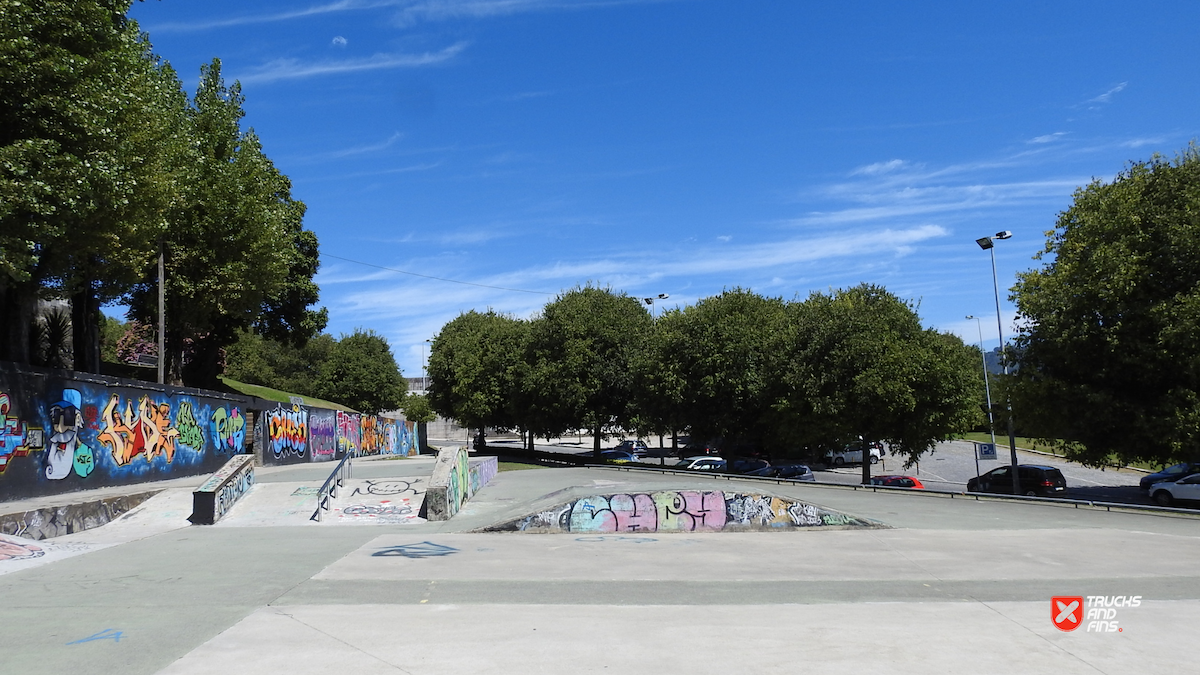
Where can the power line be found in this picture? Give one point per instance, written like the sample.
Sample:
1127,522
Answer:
427,276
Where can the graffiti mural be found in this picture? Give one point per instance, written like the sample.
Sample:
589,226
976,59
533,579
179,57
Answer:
228,429
322,435
17,439
370,442
347,432
287,431
680,511
59,434
148,432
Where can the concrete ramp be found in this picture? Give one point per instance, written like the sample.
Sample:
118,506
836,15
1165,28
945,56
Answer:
369,501
681,511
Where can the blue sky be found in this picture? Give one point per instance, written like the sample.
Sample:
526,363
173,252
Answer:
686,146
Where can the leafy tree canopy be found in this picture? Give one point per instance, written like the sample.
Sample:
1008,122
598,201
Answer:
475,364
361,372
1109,349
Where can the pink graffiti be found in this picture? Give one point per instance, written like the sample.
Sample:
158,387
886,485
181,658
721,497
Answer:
686,511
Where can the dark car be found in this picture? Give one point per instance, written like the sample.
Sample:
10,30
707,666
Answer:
1171,473
1036,480
696,448
633,447
753,467
619,456
791,472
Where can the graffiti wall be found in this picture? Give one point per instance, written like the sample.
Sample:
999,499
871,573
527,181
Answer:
322,436
61,435
680,511
296,433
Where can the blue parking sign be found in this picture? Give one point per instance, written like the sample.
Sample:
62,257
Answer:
986,450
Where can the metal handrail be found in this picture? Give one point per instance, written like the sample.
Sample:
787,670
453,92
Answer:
336,479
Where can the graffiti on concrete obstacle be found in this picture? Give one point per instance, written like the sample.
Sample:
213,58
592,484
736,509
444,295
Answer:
425,549
106,634
234,490
393,486
377,510
617,538
399,512
16,549
287,431
347,432
680,511
229,429
17,439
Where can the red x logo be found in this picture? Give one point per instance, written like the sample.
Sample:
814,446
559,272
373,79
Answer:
1066,612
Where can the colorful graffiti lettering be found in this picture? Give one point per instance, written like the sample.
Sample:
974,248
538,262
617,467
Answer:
370,442
190,434
347,432
148,432
682,511
287,431
322,435
16,438
229,430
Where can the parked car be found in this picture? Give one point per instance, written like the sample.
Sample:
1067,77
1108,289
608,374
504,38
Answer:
1185,489
696,448
618,456
752,467
791,472
1171,474
852,454
1035,480
638,448
898,481
702,463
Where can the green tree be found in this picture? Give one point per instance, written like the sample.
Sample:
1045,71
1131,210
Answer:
474,365
90,125
235,248
416,408
859,366
1109,350
361,372
279,365
716,365
581,357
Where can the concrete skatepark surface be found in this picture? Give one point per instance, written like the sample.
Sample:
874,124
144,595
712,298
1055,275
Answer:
951,585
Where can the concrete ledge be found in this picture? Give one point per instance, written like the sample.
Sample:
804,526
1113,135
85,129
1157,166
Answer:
55,521
218,494
456,477
681,511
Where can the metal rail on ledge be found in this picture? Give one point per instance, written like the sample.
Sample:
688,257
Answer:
336,480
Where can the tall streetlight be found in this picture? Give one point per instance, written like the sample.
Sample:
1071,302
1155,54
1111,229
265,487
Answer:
987,244
424,382
650,301
987,388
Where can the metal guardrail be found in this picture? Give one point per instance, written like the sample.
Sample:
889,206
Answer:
336,479
583,460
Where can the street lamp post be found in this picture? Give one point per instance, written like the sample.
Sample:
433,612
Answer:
650,301
987,244
987,388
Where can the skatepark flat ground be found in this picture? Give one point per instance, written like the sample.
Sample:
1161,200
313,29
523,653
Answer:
950,585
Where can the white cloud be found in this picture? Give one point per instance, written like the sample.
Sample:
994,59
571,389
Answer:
375,147
287,69
1047,138
879,168
339,41
1107,96
724,238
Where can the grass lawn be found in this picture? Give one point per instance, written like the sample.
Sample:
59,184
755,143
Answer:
517,466
276,395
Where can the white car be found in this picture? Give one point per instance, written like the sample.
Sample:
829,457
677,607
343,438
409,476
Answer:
1185,489
701,463
852,454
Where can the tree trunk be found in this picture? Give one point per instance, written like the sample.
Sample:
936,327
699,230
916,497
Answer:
596,441
17,304
866,461
85,329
